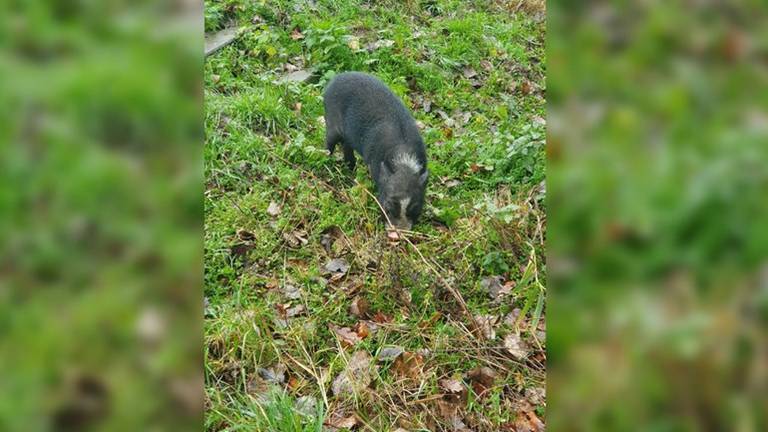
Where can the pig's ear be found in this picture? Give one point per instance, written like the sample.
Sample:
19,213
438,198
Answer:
423,177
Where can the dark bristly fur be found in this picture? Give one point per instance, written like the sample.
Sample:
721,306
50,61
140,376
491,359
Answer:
365,116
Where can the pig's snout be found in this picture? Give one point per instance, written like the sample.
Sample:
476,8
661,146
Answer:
401,224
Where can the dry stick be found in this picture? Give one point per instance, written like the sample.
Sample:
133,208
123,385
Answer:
475,327
426,399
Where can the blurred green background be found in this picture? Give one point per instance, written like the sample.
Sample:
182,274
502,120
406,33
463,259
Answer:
101,227
658,241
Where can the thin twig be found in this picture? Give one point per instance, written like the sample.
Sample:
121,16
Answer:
218,185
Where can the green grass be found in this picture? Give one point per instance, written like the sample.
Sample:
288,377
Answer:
658,212
480,67
101,230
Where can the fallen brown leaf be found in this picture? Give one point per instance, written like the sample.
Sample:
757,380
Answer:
359,307
516,346
347,336
493,285
512,317
482,379
453,399
356,376
539,356
409,364
452,183
381,318
372,326
274,374
294,383
296,34
329,236
458,425
273,209
339,421
526,87
361,329
449,122
536,396
389,353
447,409
486,324
352,286
296,238
245,235
528,421
291,292
338,265
294,311
281,308
451,385
296,76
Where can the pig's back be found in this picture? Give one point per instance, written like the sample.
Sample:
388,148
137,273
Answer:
360,101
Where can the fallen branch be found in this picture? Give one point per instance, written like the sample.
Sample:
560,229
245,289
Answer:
219,40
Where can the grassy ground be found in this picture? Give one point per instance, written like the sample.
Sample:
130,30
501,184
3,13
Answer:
300,279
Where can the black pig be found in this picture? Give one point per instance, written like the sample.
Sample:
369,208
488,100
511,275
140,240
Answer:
365,116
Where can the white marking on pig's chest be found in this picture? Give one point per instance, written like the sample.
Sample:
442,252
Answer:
403,206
